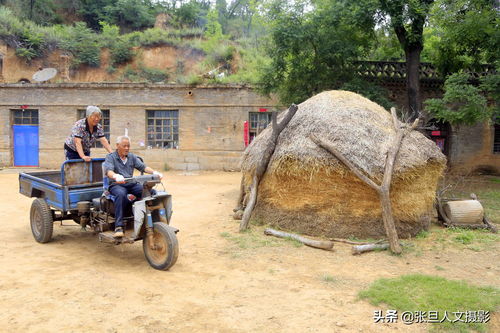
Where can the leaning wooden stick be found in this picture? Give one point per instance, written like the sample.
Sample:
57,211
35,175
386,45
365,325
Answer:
341,240
325,245
261,167
358,249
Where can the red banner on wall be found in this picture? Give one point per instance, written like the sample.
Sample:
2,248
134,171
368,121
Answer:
436,133
262,110
246,136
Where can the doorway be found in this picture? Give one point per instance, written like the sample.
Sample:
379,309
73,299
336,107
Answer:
25,137
440,132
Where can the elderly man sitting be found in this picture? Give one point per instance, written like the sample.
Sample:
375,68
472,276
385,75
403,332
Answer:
118,166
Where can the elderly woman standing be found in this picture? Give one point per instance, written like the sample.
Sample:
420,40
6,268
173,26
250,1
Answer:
84,134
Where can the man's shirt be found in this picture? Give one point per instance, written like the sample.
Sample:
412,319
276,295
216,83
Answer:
125,168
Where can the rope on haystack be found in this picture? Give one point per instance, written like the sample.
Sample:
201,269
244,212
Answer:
261,168
383,190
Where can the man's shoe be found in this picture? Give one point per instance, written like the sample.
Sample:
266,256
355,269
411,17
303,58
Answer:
118,232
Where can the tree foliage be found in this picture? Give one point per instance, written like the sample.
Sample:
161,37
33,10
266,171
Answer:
468,34
191,14
462,103
83,43
468,37
312,50
133,14
293,48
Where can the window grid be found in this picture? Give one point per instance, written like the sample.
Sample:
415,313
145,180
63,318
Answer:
162,128
258,122
25,117
104,122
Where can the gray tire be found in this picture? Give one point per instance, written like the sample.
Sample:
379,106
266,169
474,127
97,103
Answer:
41,221
167,250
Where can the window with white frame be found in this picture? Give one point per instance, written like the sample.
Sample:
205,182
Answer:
162,128
258,122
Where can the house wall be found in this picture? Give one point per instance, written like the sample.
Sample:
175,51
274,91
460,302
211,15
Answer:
472,149
210,119
211,122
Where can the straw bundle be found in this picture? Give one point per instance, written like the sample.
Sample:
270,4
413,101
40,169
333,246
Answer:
308,190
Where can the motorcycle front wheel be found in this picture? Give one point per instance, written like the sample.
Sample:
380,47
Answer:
163,254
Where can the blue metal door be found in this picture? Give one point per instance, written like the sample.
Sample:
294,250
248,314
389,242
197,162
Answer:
25,145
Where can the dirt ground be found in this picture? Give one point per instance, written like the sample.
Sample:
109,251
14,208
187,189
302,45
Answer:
76,284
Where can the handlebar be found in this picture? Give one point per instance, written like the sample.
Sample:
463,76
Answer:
142,179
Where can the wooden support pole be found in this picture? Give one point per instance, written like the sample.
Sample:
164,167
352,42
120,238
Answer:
383,190
261,167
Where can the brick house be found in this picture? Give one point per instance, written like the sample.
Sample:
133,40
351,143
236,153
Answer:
176,126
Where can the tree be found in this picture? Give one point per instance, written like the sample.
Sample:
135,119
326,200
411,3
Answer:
42,12
191,14
462,103
135,14
221,8
313,50
407,18
213,27
345,28
468,34
92,12
468,38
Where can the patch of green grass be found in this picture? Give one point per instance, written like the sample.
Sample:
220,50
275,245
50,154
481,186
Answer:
495,180
422,234
329,278
487,189
418,292
464,238
491,203
475,240
251,239
478,238
439,268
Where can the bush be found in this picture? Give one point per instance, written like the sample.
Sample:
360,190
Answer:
26,37
145,74
9,24
462,102
121,52
153,74
131,74
130,13
82,42
156,37
27,54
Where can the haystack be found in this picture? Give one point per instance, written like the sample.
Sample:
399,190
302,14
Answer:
308,190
